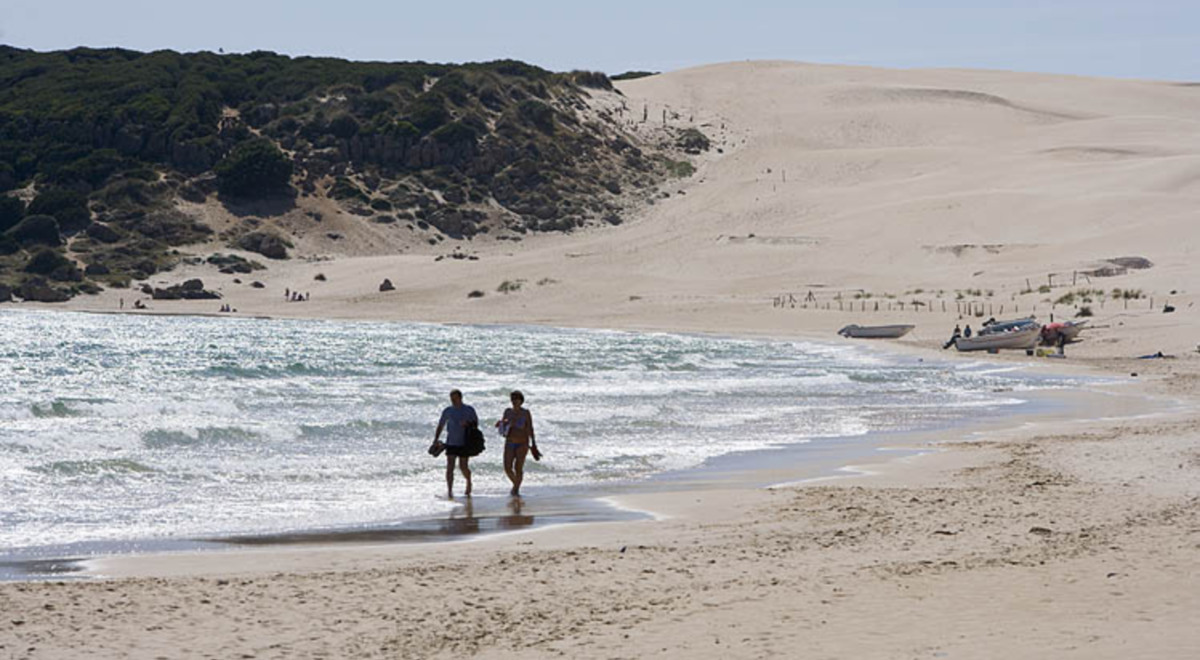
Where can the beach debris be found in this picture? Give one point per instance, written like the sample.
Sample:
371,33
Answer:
623,549
475,294
258,285
1041,531
386,285
320,277
1119,266
510,286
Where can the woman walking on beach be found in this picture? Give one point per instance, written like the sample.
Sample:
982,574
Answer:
519,440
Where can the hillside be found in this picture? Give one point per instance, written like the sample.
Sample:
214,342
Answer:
895,192
112,159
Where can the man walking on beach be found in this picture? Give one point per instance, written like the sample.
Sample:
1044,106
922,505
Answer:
455,420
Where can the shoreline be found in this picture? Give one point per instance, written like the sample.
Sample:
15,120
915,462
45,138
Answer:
901,454
74,558
748,466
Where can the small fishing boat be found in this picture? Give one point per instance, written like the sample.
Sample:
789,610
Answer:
875,331
1068,330
1020,338
1005,326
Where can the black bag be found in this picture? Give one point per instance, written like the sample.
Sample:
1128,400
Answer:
475,443
437,448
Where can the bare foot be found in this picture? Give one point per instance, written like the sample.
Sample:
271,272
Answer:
468,491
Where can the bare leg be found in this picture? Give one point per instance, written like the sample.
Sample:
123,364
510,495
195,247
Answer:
466,472
518,468
509,454
450,476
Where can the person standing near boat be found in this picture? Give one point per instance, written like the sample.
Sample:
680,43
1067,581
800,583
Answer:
456,419
519,440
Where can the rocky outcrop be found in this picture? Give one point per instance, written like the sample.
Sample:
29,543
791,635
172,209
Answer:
190,290
102,233
37,230
5,293
268,245
50,263
231,263
37,289
692,141
457,223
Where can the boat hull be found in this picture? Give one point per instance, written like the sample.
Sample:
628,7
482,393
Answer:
1017,339
875,331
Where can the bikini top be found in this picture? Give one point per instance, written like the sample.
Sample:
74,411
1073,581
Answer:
517,422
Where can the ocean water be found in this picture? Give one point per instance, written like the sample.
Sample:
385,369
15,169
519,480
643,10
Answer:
118,428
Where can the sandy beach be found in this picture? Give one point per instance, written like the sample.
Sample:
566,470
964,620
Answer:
870,189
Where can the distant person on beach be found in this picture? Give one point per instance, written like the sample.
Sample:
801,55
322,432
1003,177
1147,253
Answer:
517,428
455,420
953,338
967,332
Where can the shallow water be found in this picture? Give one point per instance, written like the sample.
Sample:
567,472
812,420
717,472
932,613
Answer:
115,428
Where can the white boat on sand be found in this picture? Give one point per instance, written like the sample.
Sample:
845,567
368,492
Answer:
875,331
1007,326
1021,338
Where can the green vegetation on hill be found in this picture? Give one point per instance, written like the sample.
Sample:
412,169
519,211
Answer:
105,143
634,75
252,168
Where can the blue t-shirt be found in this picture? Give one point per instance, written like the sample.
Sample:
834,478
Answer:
453,419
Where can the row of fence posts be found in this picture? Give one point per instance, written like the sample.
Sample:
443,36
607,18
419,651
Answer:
961,307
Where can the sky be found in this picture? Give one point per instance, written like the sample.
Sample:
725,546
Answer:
1122,38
